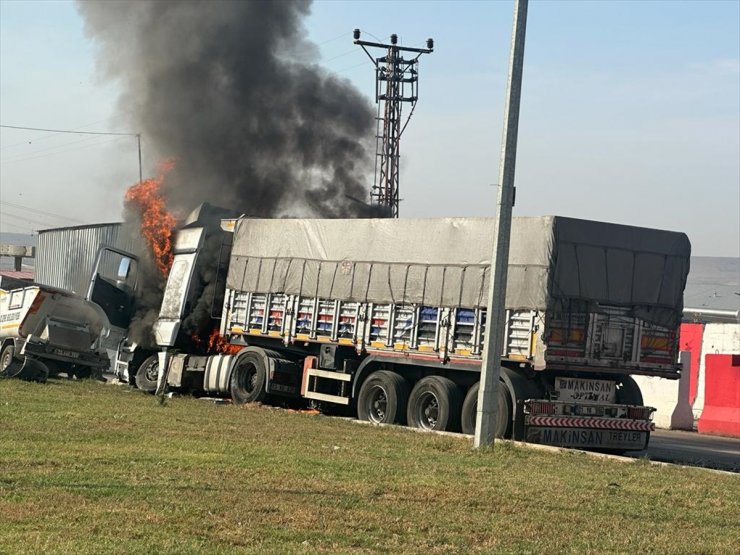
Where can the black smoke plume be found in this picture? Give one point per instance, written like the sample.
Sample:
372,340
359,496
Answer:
232,91
228,89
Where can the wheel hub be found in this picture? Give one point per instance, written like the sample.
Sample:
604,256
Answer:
429,409
152,373
378,402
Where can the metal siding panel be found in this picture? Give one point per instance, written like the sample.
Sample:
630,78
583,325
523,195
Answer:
65,256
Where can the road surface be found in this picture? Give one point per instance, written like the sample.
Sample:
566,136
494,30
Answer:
691,448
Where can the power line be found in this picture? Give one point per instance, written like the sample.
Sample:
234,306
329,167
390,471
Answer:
26,230
335,38
64,150
354,50
37,211
364,62
45,137
25,219
51,148
72,131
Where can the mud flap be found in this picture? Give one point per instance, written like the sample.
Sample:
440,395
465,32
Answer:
28,369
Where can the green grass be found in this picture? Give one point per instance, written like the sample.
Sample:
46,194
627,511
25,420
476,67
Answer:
93,468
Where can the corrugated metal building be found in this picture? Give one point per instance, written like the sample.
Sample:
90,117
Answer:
65,256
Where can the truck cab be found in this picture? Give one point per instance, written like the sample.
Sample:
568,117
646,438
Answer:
46,330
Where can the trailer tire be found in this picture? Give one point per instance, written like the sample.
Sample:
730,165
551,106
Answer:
435,403
248,379
6,357
81,372
383,398
628,392
148,374
504,416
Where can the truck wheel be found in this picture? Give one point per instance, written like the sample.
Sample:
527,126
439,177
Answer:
6,357
503,412
248,379
383,398
147,374
628,392
83,372
435,404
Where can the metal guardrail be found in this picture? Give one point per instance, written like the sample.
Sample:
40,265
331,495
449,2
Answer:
18,252
711,315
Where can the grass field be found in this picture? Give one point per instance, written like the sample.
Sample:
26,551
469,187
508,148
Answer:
94,468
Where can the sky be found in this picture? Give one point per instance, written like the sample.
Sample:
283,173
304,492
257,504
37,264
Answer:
630,112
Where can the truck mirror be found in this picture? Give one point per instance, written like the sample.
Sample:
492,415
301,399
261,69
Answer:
124,268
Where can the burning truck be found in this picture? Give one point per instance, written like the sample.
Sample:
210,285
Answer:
385,319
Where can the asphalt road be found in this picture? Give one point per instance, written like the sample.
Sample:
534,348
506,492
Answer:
691,448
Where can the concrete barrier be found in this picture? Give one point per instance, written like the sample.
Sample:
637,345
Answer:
721,412
717,339
690,340
670,397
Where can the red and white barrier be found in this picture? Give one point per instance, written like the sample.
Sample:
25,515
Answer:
721,413
670,397
703,383
717,339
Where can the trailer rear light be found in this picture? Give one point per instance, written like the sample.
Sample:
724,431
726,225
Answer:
541,407
658,348
639,413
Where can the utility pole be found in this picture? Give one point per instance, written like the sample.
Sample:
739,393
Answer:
138,142
485,422
399,75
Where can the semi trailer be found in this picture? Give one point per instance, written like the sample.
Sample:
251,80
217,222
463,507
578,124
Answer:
385,319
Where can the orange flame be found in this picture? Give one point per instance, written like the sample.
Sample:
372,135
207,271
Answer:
217,343
157,224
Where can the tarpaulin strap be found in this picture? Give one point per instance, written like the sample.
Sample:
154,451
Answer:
318,281
405,282
259,273
390,287
352,282
303,273
333,279
369,277
244,274
424,288
287,271
272,276
462,284
482,287
442,288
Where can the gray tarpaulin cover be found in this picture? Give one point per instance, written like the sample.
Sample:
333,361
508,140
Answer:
445,262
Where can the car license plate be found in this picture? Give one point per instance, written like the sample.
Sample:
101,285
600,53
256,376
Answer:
68,354
579,389
588,438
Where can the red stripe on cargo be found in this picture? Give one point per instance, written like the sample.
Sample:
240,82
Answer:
599,423
721,414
